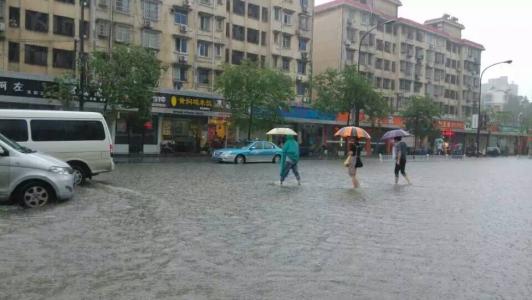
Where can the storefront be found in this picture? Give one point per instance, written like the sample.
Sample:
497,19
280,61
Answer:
25,91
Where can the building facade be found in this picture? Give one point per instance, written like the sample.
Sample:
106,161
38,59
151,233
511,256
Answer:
497,92
193,38
402,58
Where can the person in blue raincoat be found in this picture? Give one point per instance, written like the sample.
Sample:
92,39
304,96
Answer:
290,158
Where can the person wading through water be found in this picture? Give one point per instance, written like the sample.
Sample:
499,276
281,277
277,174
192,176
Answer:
400,160
289,159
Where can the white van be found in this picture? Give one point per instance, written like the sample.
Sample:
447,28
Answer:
82,139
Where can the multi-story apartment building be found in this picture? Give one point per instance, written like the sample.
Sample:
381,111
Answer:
193,38
402,58
497,92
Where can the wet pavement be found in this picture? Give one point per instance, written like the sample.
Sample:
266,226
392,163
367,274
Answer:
198,230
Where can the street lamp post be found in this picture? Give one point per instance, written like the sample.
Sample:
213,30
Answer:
359,50
480,98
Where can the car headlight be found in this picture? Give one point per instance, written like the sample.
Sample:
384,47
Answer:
60,170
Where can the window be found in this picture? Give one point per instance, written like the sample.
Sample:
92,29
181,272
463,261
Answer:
86,29
206,2
286,41
36,55
63,26
151,39
61,130
253,36
303,44
16,130
287,18
252,57
237,57
203,76
301,67
239,7
14,52
181,45
150,10
286,64
263,38
122,6
63,58
36,21
180,73
239,33
66,1
304,22
265,14
300,88
203,48
102,28
219,24
387,47
14,16
277,13
253,11
205,22
181,17
218,49
123,33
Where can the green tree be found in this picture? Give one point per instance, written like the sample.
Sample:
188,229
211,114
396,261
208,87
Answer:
63,89
419,116
345,91
126,78
255,95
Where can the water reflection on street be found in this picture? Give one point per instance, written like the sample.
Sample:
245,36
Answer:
203,230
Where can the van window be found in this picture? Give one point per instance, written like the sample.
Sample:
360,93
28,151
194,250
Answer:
61,130
17,130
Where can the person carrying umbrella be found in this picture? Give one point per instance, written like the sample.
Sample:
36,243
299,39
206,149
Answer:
290,158
400,160
353,162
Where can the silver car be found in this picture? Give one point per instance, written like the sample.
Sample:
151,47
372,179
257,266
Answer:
30,178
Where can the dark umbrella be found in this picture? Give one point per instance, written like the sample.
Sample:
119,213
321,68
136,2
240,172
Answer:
395,133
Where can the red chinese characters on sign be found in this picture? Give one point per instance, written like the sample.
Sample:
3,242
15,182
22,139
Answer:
450,124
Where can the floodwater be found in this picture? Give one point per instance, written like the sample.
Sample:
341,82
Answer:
200,230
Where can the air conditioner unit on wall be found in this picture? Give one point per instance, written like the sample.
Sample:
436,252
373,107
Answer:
147,24
183,28
2,26
183,59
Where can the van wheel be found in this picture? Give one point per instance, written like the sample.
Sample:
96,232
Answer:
34,194
80,174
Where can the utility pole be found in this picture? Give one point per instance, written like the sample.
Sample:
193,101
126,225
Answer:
82,70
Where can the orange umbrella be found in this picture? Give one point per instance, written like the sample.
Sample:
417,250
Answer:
352,131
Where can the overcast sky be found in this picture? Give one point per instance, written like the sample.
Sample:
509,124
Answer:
503,27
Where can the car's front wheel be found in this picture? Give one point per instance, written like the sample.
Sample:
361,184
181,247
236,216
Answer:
34,194
240,159
276,159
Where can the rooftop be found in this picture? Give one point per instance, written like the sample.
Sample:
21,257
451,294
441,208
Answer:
428,28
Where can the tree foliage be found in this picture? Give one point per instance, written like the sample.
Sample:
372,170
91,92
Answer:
126,77
255,95
419,116
343,91
64,89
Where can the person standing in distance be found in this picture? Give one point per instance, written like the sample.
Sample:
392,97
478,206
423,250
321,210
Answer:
289,159
400,159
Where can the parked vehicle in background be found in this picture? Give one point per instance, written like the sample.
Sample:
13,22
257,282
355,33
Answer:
493,151
81,139
258,151
32,179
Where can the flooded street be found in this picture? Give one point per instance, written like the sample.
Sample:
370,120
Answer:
200,230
